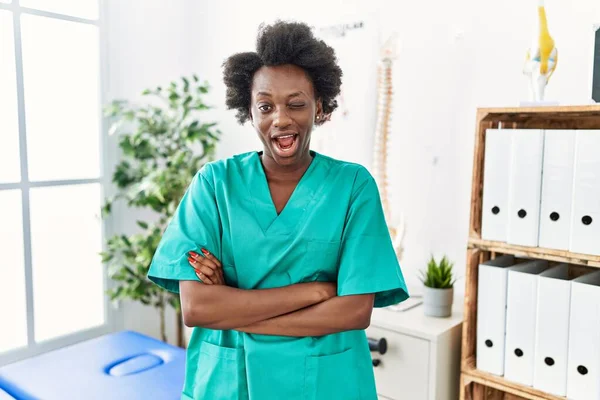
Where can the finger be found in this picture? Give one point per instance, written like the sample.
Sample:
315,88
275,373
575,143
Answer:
208,271
203,278
221,278
204,273
218,278
203,260
211,257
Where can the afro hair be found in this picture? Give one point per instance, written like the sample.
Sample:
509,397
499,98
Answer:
278,44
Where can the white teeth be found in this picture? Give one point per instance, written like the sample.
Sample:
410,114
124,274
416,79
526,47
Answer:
278,143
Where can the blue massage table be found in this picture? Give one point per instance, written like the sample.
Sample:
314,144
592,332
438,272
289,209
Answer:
119,366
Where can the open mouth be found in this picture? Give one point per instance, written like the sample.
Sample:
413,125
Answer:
286,145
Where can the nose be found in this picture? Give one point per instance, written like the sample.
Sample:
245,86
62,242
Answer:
281,119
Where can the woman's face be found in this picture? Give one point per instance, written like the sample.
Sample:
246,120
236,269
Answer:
283,109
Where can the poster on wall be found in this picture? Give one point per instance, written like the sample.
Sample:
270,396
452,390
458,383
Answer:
349,134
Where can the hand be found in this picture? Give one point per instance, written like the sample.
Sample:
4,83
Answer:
208,268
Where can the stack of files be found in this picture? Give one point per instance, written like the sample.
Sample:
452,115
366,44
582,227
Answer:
583,365
521,316
491,314
557,184
552,330
541,188
494,202
524,190
539,327
585,221
512,181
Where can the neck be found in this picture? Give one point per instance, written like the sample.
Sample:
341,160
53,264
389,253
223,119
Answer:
285,172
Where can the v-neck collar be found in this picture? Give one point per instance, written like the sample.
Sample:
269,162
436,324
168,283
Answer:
264,208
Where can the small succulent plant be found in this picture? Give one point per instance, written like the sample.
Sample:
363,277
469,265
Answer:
438,275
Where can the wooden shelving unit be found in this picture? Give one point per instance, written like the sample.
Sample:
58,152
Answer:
475,384
536,252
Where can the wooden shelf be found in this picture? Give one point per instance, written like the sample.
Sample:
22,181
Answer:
567,117
475,384
506,386
536,252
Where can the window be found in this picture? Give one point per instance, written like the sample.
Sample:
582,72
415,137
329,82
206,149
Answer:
53,282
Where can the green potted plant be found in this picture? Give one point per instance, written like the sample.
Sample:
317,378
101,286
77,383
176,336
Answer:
438,287
163,144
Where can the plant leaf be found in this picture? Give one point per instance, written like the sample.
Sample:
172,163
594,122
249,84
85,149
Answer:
438,275
142,224
160,159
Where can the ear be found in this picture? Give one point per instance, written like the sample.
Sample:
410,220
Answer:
319,111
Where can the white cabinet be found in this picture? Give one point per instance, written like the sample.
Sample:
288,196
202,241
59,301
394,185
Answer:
422,361
406,357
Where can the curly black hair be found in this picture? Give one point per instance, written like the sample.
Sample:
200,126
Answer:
278,44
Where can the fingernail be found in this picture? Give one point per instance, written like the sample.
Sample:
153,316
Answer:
205,251
190,259
193,253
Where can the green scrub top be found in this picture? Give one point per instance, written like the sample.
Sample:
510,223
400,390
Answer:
331,229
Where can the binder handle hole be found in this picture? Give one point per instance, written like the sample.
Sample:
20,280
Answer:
522,213
519,352
582,370
549,361
554,216
495,210
587,220
489,343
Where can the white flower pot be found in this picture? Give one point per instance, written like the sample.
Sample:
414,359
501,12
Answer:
437,302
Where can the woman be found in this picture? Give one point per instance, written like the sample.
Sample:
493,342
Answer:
280,255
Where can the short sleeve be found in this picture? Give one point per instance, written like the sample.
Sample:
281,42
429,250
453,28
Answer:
195,224
368,262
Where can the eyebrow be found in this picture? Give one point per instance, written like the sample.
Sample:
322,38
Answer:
295,94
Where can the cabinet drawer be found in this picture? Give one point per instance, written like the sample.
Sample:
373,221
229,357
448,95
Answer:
403,371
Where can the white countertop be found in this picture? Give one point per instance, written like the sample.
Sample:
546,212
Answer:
413,322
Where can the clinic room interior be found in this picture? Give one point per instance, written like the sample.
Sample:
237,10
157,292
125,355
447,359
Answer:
325,200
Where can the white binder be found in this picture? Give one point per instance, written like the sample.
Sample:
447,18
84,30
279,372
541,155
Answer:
491,314
585,215
525,184
521,303
494,218
557,189
583,367
552,330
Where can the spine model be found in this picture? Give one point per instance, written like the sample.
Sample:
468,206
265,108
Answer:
382,140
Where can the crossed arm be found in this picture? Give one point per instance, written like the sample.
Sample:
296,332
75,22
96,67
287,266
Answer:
304,309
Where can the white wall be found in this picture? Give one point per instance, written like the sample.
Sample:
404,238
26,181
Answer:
453,57
148,44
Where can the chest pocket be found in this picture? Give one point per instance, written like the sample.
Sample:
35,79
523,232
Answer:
318,263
